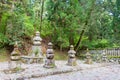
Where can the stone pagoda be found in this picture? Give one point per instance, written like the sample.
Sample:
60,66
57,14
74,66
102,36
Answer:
15,57
88,58
71,57
36,48
49,62
104,56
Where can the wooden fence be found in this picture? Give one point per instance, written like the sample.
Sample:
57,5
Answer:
113,53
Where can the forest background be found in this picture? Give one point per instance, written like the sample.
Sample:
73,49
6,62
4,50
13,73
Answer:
93,24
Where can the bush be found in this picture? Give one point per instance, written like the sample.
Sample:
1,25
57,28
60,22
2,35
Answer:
95,43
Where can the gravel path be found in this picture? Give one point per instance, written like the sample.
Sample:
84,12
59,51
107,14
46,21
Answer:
102,73
95,71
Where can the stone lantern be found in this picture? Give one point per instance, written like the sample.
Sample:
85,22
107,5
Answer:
36,48
15,57
49,62
104,56
71,57
88,58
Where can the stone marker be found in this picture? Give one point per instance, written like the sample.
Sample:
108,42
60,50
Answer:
88,58
49,62
71,57
36,48
15,57
36,55
104,56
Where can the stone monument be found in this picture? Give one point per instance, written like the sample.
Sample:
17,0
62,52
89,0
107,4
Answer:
104,56
71,57
15,57
36,55
36,48
49,62
88,58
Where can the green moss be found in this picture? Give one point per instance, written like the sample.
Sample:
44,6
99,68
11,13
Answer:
74,63
4,56
17,69
36,52
60,55
109,57
52,65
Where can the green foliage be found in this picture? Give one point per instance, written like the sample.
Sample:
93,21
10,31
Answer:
96,43
62,22
3,40
15,24
47,29
64,18
3,23
20,27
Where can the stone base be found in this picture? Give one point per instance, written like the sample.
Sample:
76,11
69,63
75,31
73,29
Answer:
14,64
29,59
49,63
49,66
14,70
89,61
72,62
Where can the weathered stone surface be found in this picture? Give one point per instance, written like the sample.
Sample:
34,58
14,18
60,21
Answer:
101,73
88,58
104,57
36,48
71,57
49,62
15,57
36,55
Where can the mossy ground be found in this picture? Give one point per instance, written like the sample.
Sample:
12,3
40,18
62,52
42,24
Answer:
4,55
61,55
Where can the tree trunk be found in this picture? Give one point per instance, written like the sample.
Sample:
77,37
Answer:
41,17
85,25
71,39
